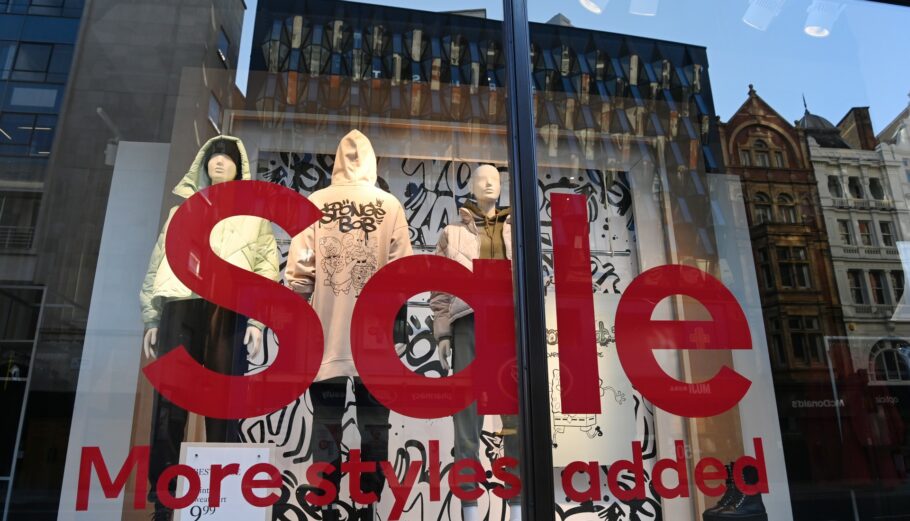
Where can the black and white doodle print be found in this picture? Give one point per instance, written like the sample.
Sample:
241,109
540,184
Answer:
431,192
349,216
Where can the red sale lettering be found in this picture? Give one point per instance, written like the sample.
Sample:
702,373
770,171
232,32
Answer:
637,336
184,381
589,470
490,379
138,459
579,380
171,473
467,478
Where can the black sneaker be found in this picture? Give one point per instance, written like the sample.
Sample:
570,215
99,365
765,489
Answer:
731,494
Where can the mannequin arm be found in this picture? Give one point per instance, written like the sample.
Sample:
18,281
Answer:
150,343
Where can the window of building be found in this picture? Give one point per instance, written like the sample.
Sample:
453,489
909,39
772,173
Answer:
897,284
877,287
215,112
779,159
846,231
786,208
857,288
18,217
793,265
876,189
834,187
887,230
890,361
764,263
866,237
762,156
224,47
806,340
762,208
26,135
35,62
855,188
778,349
745,159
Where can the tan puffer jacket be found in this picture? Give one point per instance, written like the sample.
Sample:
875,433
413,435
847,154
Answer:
460,243
244,241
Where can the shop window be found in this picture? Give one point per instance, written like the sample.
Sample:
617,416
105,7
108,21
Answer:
890,361
876,189
855,188
887,230
762,155
762,208
786,208
834,187
877,287
897,284
866,237
857,288
793,265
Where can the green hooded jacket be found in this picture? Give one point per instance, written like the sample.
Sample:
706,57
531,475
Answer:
244,241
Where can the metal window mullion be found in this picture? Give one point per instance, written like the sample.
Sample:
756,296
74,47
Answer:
536,443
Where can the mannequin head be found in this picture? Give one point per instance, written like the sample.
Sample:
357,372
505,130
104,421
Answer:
486,184
221,168
223,161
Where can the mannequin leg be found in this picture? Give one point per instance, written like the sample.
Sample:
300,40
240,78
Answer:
328,398
373,424
470,513
468,424
182,323
515,512
225,354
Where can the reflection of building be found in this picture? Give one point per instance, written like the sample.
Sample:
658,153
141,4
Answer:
126,81
796,279
37,39
863,196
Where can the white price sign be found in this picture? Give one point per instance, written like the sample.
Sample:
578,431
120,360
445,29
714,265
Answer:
233,507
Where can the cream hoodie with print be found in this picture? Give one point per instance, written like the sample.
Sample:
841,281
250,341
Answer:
363,228
244,241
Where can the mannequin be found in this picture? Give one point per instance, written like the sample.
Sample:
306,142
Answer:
363,228
212,335
484,232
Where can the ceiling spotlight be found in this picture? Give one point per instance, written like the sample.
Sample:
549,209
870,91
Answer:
761,13
595,6
644,7
822,15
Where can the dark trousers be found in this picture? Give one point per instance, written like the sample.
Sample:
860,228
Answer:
329,399
469,424
213,336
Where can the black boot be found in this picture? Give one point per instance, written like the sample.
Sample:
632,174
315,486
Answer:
731,494
162,513
744,507
366,513
330,514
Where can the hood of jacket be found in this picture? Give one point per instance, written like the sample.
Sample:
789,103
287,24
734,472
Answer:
197,177
471,213
355,161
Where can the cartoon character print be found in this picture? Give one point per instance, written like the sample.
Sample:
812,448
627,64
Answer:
359,258
334,266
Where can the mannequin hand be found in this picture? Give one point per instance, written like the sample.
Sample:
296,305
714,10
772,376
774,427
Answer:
150,342
444,349
253,341
400,349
